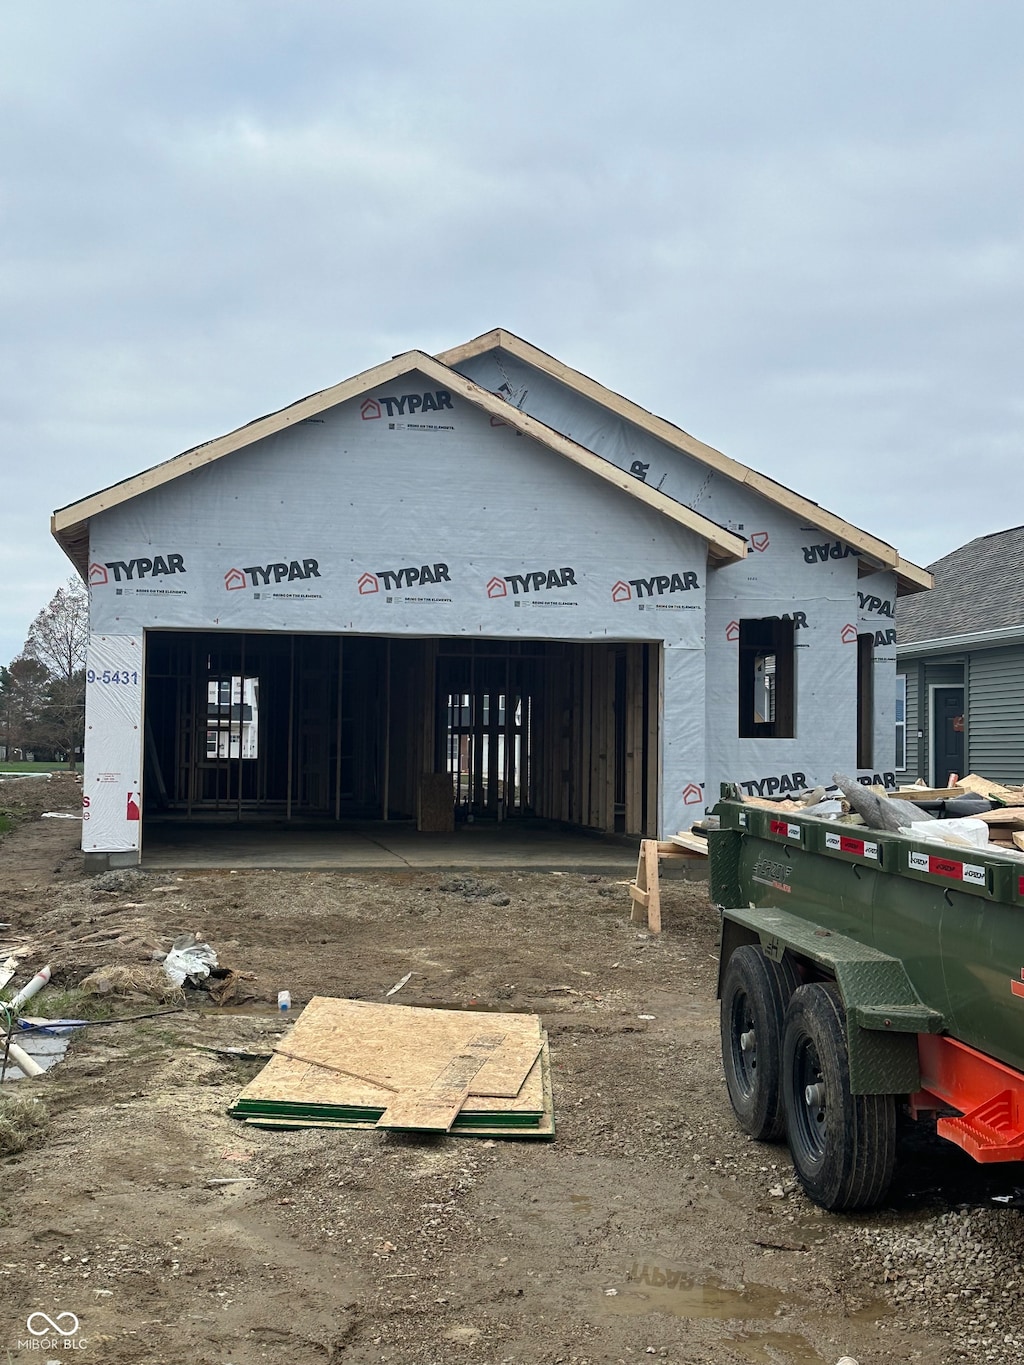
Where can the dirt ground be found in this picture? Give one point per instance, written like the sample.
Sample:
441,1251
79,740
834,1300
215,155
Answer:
650,1226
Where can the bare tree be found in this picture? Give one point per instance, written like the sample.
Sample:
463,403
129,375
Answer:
59,635
53,662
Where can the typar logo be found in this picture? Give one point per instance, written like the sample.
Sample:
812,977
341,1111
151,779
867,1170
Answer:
133,810
280,572
539,580
128,569
868,602
497,587
732,630
759,541
367,584
692,794
821,554
406,404
848,635
656,586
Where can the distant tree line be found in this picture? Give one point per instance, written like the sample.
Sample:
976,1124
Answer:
42,691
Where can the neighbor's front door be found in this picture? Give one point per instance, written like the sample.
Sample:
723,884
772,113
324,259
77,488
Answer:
948,734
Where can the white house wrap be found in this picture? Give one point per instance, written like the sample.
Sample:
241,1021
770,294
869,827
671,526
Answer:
484,565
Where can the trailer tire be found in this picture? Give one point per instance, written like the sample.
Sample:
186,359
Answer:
755,993
843,1145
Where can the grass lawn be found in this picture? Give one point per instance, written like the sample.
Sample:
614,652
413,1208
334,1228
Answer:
18,767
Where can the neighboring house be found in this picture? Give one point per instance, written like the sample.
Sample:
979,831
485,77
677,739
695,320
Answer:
480,566
960,666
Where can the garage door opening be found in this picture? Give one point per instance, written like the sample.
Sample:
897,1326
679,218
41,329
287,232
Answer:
440,732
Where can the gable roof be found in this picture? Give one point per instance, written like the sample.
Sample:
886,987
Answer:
979,590
910,577
70,524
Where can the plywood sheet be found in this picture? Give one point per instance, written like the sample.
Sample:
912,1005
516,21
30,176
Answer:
543,1125
400,1048
355,1063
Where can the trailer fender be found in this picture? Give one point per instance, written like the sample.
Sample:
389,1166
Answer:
884,1014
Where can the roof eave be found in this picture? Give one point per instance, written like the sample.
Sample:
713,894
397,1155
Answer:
955,644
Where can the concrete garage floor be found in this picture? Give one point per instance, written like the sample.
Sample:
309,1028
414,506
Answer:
374,846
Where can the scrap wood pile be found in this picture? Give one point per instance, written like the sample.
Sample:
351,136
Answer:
355,1064
971,812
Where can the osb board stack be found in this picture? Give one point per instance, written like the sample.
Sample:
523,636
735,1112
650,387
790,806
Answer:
352,1063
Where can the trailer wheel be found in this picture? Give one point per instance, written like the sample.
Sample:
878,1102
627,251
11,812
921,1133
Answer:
843,1145
755,993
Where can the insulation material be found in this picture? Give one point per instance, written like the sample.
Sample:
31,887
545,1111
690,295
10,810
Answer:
454,526
112,783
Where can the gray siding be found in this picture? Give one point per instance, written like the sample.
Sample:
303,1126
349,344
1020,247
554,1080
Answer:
995,716
911,773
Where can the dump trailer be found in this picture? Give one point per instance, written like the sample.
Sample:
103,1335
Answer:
861,972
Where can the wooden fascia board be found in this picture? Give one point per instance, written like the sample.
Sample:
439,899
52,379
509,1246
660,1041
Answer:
911,578
66,521
883,553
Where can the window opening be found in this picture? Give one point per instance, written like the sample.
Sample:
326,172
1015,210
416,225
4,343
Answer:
766,679
865,700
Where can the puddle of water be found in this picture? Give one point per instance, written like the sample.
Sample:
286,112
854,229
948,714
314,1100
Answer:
661,1289
775,1348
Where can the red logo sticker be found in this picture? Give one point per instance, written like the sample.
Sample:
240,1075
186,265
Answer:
369,410
497,587
97,575
234,579
759,541
848,635
367,584
692,794
621,592
133,812
732,630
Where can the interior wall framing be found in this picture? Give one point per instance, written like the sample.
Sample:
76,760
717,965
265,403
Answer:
346,727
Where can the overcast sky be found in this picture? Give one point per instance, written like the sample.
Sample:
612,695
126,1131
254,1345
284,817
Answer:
793,229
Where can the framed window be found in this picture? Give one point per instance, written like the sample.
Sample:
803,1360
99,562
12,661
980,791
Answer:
865,700
767,692
901,722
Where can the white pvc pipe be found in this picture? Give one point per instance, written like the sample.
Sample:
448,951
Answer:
23,1061
33,988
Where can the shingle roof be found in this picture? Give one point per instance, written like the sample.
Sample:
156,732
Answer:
978,587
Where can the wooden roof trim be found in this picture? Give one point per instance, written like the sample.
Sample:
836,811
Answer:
886,555
69,524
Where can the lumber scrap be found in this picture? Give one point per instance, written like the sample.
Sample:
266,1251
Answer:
692,843
1012,796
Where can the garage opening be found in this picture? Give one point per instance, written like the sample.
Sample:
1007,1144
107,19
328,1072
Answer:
436,731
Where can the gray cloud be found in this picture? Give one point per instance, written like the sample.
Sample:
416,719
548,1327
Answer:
796,232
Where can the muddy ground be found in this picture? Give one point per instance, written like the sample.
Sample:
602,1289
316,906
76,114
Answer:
650,1227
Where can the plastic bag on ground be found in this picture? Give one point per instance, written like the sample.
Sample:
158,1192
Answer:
189,957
